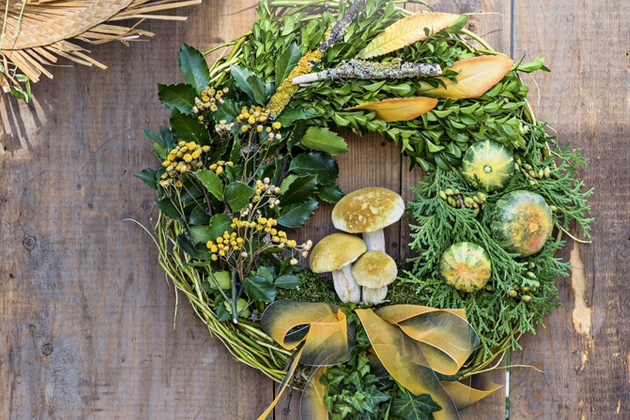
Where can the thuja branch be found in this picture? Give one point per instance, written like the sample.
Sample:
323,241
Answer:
361,69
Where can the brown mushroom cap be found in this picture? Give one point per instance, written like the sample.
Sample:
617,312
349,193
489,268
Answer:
375,269
368,210
335,251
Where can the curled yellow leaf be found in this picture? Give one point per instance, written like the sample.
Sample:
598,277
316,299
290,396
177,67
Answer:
399,109
407,31
470,390
476,76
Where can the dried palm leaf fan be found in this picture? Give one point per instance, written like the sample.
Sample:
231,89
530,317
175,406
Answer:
36,33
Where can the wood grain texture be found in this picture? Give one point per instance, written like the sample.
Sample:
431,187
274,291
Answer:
585,349
86,317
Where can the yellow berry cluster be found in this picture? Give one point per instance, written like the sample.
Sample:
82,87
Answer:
225,245
185,157
254,118
210,97
218,167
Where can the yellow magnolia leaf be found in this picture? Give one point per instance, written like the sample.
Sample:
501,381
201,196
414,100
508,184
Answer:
399,109
477,387
406,32
476,76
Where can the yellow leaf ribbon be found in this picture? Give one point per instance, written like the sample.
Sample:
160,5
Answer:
411,342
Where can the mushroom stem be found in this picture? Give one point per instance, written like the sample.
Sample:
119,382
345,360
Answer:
375,241
345,285
374,296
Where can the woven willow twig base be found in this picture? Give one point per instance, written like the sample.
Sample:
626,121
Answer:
35,33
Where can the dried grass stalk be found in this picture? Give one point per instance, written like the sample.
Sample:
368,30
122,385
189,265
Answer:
35,33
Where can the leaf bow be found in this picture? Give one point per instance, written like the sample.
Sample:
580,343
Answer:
412,342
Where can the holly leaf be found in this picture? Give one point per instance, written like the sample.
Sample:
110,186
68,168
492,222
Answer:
180,96
187,128
260,289
219,224
212,182
194,68
300,190
167,207
296,215
287,61
410,407
324,140
325,167
238,195
330,193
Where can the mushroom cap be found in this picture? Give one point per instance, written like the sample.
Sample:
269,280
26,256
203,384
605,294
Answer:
375,269
336,251
368,210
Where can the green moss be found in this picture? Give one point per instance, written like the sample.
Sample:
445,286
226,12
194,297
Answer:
313,288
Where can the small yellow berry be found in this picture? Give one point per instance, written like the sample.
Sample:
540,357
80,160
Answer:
276,125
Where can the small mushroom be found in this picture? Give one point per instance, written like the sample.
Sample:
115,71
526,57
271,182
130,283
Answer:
336,253
369,211
374,271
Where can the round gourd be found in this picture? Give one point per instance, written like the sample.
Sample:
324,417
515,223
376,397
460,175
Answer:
466,266
521,222
488,166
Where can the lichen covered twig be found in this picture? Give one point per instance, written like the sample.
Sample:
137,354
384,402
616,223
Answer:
361,69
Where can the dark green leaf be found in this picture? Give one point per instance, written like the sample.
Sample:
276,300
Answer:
259,89
324,140
188,128
241,76
287,60
259,289
212,182
198,216
198,253
149,177
291,115
219,224
194,68
180,97
166,206
237,195
288,281
330,193
410,407
296,215
300,190
325,167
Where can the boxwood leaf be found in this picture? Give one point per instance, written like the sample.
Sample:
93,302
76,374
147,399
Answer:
212,182
301,189
296,215
258,288
180,96
187,128
324,140
237,195
287,60
194,68
325,167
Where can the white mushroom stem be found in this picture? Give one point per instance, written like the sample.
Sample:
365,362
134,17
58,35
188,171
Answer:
375,241
346,286
374,296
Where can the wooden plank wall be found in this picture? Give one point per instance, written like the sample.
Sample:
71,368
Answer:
86,318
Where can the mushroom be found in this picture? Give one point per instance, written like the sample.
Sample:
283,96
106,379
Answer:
368,211
374,271
336,253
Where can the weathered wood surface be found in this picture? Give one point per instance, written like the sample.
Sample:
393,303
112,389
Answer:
86,317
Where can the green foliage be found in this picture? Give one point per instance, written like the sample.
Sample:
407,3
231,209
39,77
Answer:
180,96
238,195
186,127
194,68
324,140
212,182
312,288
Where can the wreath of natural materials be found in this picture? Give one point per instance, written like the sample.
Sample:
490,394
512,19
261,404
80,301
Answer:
249,155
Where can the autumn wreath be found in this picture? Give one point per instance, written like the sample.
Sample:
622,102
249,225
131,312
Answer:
249,156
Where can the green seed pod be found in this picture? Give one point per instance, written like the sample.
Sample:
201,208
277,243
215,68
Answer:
541,173
547,172
517,166
533,182
482,196
443,195
468,202
553,209
531,275
531,173
525,289
489,288
449,191
512,293
452,201
528,167
477,209
526,298
515,287
477,199
536,285
532,264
